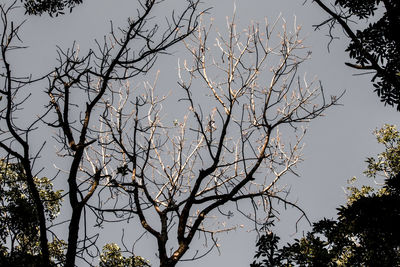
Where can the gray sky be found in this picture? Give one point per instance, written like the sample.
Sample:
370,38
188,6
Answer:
336,145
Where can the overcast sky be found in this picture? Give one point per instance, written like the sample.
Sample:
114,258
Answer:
336,145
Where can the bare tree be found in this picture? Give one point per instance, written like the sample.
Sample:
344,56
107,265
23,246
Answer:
245,114
76,89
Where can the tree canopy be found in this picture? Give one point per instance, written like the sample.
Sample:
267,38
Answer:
19,244
112,256
52,7
366,230
374,47
19,234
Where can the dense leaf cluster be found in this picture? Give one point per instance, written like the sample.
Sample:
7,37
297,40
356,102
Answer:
19,234
52,7
112,257
377,46
366,230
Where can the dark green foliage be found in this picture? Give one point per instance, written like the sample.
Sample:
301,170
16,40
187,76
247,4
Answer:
52,7
361,8
365,234
19,232
366,230
373,221
308,251
19,235
112,257
267,250
381,40
375,47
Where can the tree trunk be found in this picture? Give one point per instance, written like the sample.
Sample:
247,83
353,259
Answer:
73,236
